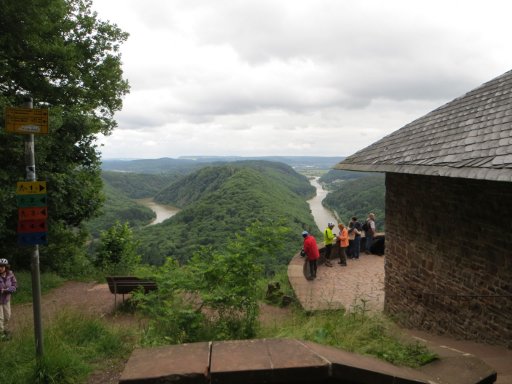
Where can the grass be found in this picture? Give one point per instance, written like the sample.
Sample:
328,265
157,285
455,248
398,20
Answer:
74,346
358,332
23,293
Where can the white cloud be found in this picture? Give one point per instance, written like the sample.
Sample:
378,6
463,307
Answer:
293,77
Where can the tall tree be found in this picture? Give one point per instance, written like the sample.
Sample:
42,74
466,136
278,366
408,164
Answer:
59,53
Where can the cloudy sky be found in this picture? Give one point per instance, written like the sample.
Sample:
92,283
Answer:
294,77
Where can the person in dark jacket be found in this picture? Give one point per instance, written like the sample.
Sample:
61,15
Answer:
354,233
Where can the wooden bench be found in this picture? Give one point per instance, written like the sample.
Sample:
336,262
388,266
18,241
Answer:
127,284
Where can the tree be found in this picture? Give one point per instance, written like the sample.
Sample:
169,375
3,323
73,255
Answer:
65,58
116,253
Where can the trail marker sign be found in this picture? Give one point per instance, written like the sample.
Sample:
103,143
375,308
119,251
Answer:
30,187
32,213
35,238
31,226
26,120
37,200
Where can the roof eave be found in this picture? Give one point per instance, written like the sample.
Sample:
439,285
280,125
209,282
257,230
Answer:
492,174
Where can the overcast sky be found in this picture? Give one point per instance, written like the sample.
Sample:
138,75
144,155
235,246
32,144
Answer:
294,77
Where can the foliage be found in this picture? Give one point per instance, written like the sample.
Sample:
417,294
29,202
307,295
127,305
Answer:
65,58
116,254
118,207
220,202
66,253
335,176
23,293
358,198
75,345
209,179
138,185
358,331
214,296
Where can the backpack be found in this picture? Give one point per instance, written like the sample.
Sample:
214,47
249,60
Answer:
366,226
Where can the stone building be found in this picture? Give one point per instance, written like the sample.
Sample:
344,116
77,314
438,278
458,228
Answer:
449,215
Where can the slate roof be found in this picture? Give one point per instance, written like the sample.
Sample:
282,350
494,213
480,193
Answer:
469,137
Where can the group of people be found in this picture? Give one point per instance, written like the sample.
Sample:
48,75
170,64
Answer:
348,241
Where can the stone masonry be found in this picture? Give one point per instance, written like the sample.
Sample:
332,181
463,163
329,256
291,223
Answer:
449,256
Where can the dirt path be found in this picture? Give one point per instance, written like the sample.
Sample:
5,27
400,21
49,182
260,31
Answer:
94,298
86,297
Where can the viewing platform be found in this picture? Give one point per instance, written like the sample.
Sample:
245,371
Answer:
360,284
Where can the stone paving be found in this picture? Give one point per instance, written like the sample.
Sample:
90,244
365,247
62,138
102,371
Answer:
362,282
359,285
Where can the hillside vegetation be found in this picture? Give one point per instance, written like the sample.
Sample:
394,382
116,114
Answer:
139,185
359,197
118,207
219,202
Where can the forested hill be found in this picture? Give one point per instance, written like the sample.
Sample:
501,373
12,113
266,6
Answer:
220,201
209,179
139,185
358,197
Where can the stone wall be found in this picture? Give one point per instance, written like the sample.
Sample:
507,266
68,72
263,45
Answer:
449,256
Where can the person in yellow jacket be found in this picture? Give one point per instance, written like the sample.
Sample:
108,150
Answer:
328,242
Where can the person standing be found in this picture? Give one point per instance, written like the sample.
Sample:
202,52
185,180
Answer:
328,241
369,232
312,254
343,240
355,232
8,286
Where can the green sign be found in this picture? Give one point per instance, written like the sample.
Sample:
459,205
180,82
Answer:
39,200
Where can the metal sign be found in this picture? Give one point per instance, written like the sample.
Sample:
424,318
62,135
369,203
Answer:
30,226
36,238
26,120
32,213
32,200
30,187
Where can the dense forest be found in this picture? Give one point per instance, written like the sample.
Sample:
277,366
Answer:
141,185
358,197
221,201
119,207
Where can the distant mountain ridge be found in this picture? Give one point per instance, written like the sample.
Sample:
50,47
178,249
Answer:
187,164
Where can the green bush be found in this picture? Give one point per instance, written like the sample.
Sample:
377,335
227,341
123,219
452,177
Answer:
215,295
116,253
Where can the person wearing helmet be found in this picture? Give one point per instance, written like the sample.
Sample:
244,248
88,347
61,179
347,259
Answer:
7,287
328,241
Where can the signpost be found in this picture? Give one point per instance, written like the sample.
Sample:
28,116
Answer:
30,187
26,120
31,198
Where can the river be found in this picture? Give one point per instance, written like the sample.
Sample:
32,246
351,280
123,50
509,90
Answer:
163,212
322,215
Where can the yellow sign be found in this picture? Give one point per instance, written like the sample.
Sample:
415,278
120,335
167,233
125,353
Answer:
26,120
30,187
